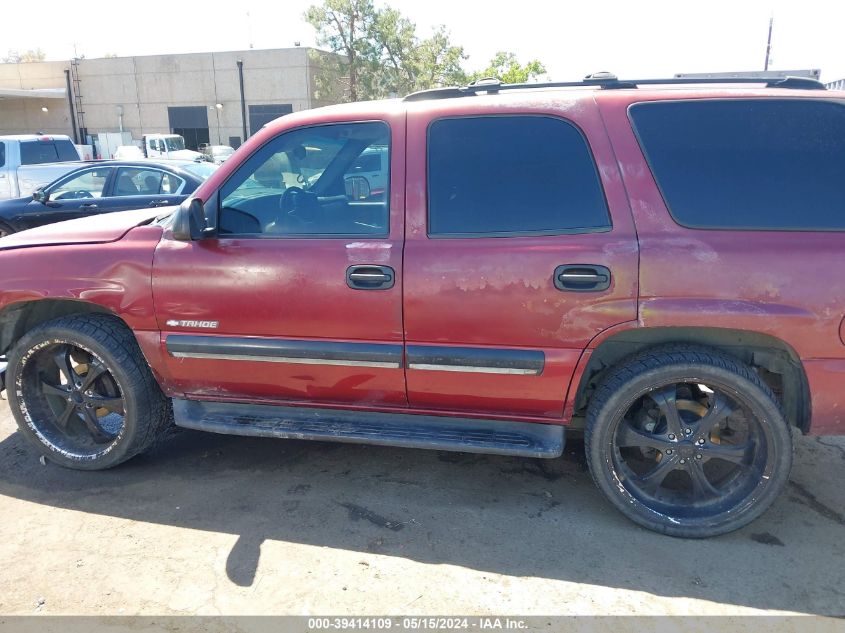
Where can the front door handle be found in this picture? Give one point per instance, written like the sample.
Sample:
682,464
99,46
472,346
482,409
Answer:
367,277
582,278
89,206
159,203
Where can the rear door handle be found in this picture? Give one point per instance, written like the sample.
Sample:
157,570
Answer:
367,277
89,206
582,278
159,203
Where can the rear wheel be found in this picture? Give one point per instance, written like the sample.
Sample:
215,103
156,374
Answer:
688,442
5,230
82,392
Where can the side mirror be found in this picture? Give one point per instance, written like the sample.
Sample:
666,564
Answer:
190,222
357,188
39,195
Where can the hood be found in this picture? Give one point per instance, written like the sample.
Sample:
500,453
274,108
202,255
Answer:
184,154
95,229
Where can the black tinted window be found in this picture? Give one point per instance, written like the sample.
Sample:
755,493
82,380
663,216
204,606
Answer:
34,152
511,175
743,164
66,151
2,153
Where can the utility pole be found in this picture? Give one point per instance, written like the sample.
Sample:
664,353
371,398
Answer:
769,44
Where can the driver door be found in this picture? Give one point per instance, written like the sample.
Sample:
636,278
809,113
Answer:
298,297
75,196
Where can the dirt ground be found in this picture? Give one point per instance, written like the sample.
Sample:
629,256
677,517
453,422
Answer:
224,525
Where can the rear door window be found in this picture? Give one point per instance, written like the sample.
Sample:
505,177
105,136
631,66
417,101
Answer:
511,175
762,164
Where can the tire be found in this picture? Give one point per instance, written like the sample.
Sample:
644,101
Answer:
82,393
5,230
728,428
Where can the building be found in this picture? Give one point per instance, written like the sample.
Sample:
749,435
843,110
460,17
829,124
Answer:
836,85
218,98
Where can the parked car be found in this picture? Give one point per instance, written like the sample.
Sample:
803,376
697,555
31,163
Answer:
168,146
217,154
128,152
104,187
657,268
29,161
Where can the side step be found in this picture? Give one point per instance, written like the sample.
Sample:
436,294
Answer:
386,429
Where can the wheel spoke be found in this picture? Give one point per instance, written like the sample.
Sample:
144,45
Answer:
52,390
630,436
720,408
62,360
94,428
64,417
735,453
114,405
701,486
666,400
652,480
95,370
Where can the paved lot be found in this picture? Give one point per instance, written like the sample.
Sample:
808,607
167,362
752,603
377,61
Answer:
213,524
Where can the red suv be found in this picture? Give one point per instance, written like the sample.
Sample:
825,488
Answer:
652,262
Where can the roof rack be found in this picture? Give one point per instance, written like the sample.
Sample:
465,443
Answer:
609,81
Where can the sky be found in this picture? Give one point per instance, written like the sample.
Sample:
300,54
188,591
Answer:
633,38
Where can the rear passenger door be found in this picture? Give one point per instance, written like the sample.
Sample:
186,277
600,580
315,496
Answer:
520,249
137,187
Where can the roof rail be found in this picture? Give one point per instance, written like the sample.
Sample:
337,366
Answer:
608,81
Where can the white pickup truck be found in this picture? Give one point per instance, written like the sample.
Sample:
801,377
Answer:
30,161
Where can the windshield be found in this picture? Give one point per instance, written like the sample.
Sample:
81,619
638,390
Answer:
201,170
222,151
174,143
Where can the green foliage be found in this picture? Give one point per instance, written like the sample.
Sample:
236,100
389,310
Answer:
377,52
506,68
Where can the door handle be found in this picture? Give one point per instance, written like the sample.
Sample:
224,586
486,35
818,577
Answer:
159,203
582,278
370,277
89,206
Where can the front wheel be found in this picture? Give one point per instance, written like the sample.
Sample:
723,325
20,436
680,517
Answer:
83,394
688,442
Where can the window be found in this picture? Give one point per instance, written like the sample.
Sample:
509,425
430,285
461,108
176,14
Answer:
136,181
299,184
87,184
747,164
2,153
35,152
511,175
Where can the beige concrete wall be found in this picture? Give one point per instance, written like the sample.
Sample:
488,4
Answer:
146,86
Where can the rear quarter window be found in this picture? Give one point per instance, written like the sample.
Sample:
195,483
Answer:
762,164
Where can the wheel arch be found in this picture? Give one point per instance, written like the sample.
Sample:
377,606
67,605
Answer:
19,318
773,359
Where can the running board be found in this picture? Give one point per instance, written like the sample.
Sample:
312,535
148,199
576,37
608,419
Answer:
468,435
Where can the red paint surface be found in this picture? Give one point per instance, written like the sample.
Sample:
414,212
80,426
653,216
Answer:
495,292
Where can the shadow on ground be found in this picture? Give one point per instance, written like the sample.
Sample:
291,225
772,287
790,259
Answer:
518,517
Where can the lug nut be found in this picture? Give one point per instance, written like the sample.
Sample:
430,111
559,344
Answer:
89,393
700,442
687,431
671,436
698,456
669,451
683,461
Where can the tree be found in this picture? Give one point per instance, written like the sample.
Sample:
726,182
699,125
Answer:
506,68
15,57
345,27
377,52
